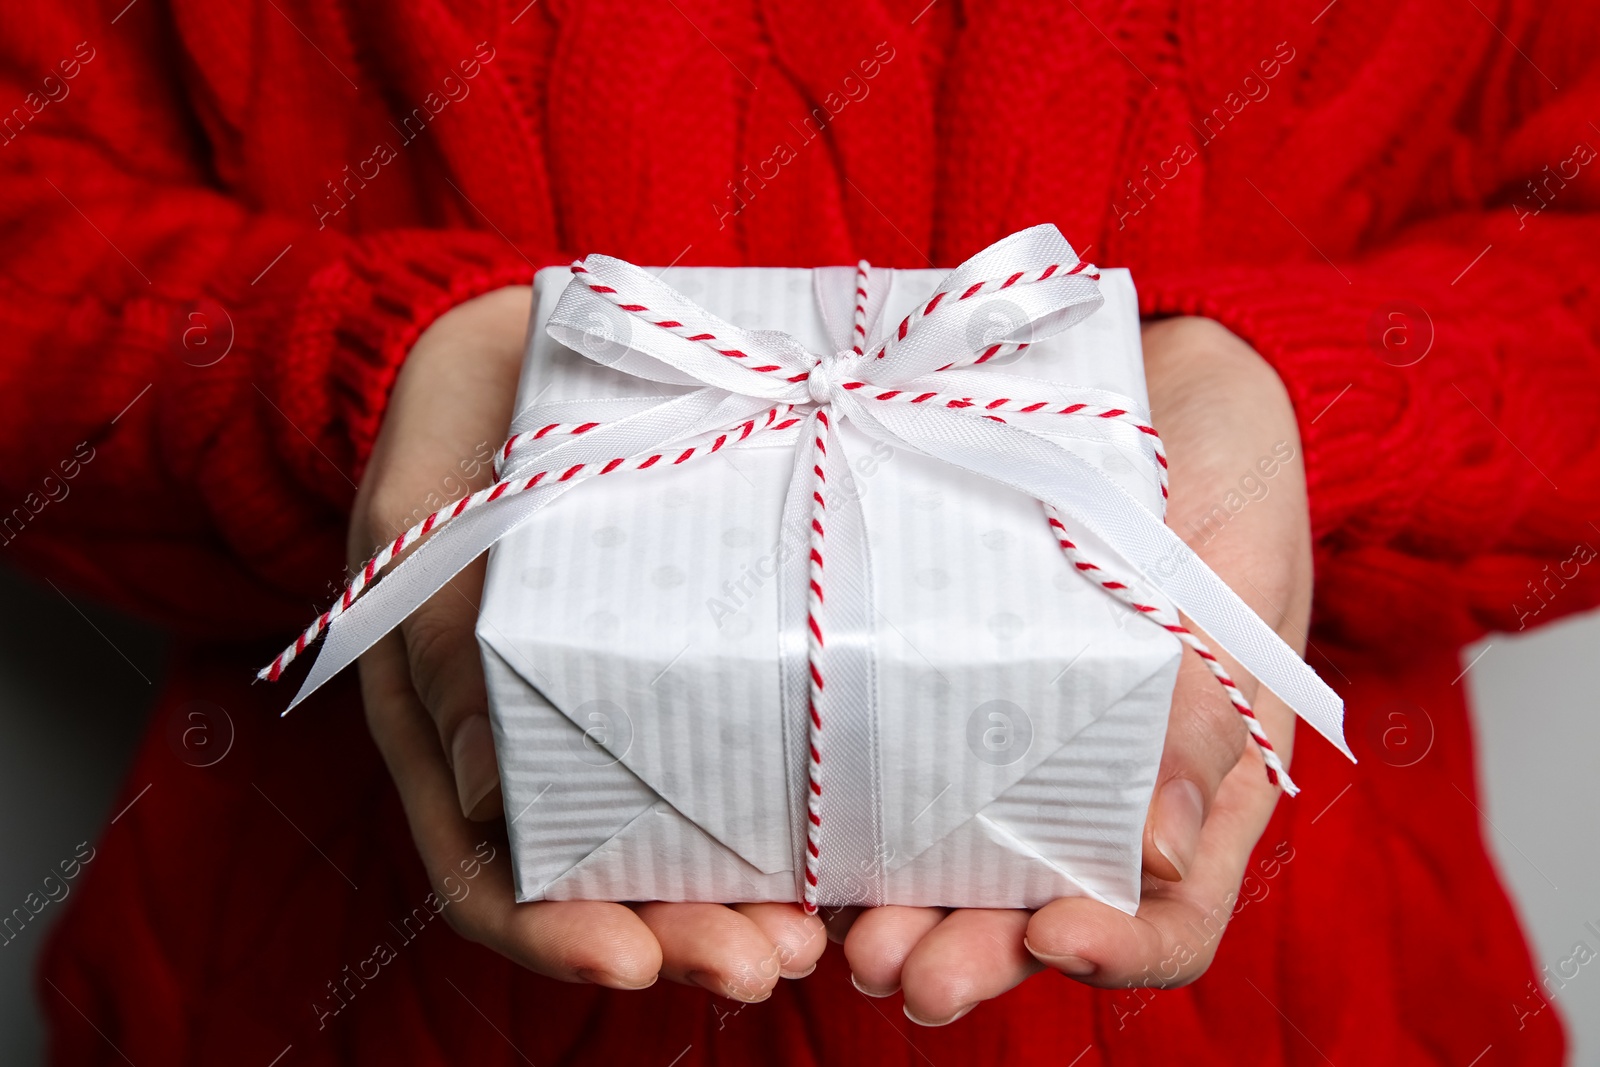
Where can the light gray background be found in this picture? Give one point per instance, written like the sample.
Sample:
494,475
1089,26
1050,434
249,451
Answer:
76,683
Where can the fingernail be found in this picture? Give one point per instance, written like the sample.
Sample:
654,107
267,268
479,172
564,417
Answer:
611,981
941,1022
1180,811
792,975
869,991
472,755
1076,966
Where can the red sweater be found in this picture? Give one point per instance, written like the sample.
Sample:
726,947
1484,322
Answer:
225,224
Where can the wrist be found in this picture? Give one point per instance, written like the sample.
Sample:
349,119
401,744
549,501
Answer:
1237,475
1186,355
493,323
450,406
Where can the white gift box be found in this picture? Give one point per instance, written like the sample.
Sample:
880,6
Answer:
630,639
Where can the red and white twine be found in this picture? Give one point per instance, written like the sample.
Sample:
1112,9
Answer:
990,285
779,417
819,452
1026,407
511,487
814,641
698,334
724,347
1276,774
858,327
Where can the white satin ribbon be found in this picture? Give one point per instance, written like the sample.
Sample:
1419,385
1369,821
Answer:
1024,452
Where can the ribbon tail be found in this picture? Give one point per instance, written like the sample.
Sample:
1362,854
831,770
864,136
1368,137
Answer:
462,538
1047,471
386,604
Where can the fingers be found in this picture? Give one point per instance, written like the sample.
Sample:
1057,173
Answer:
447,675
800,938
946,966
972,955
1205,738
447,412
577,941
879,942
714,947
735,953
1100,946
1174,936
1169,943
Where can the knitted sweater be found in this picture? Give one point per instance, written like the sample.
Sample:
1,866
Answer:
224,225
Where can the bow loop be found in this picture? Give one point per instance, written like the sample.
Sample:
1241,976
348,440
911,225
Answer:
622,316
1023,289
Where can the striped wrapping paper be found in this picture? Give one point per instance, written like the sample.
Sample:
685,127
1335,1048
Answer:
631,645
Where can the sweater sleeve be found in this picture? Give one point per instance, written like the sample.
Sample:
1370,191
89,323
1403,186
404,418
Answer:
189,385
1446,387
1446,373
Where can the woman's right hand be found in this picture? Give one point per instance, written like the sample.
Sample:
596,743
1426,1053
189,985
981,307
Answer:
427,706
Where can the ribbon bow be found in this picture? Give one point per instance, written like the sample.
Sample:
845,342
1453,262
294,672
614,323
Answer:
923,386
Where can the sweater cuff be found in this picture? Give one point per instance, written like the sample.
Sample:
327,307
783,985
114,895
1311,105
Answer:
351,322
408,288
1342,363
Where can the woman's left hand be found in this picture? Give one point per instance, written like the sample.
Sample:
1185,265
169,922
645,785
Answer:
1226,419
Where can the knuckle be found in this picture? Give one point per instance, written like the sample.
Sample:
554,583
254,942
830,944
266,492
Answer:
383,515
428,641
433,644
1228,732
388,701
1214,734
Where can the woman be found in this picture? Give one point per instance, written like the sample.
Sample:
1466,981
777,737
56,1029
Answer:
270,262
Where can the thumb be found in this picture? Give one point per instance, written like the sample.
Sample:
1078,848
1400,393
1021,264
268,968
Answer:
1205,739
447,673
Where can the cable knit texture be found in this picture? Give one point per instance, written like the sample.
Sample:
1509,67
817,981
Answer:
225,224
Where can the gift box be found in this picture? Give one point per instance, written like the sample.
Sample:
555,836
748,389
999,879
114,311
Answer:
631,639
845,586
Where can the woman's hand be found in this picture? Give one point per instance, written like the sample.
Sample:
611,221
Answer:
1221,411
428,710
1226,420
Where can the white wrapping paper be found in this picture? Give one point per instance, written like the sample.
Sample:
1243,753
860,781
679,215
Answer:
629,637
